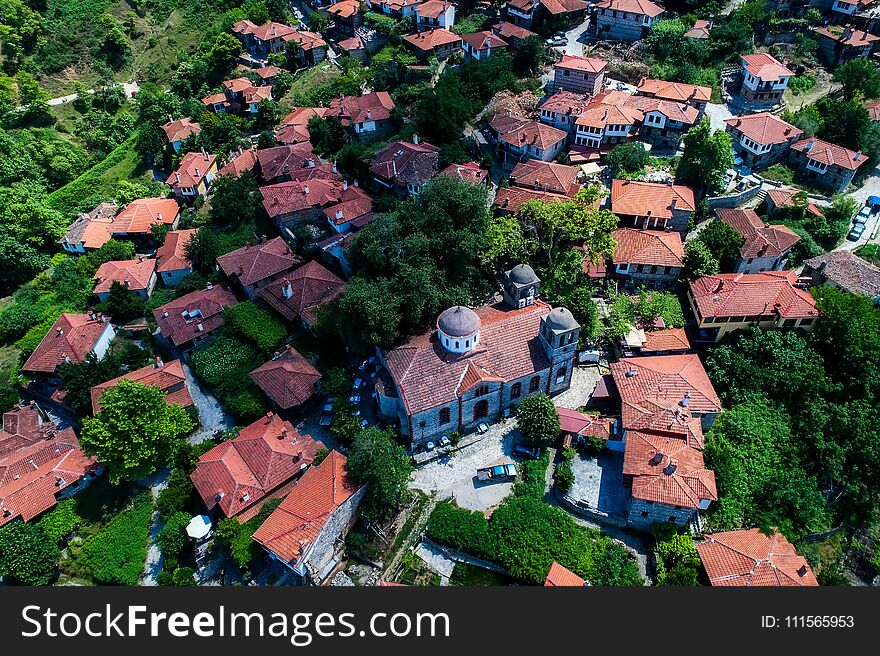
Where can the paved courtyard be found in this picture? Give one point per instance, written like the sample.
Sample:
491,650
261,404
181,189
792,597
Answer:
598,481
583,381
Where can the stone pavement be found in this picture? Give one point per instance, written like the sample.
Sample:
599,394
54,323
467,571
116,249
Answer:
583,382
436,561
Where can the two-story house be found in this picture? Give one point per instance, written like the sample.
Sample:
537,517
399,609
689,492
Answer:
346,17
439,43
519,139
405,167
547,14
482,45
394,8
585,75
824,163
765,79
433,14
625,20
177,131
606,121
761,139
289,379
512,33
562,109
663,122
652,205
70,339
369,115
252,267
168,377
838,45
647,257
299,295
765,247
727,302
137,276
189,320
172,263
551,177
194,176
677,92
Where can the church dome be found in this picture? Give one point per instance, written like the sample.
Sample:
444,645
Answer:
561,320
523,274
458,321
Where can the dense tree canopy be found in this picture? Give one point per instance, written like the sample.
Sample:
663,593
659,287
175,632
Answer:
707,156
537,420
376,460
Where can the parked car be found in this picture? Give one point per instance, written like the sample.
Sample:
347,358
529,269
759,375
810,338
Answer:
526,451
862,216
856,233
497,473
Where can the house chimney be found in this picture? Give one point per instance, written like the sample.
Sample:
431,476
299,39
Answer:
631,372
344,185
198,175
808,146
338,214
415,139
286,289
270,416
59,331
672,204
159,216
177,177
306,189
857,156
685,400
369,114
158,362
356,184
658,458
210,285
204,154
670,468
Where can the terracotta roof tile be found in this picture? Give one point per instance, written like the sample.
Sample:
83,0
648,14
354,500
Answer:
239,473
579,423
168,377
288,379
752,558
546,176
566,103
830,154
517,131
559,576
761,239
700,30
374,106
140,215
467,172
134,274
295,161
406,163
784,197
669,340
765,67
769,293
297,195
71,338
431,39
254,264
640,7
847,36
180,319
294,526
511,199
675,91
652,247
193,169
578,63
484,40
93,229
510,31
873,108
344,8
264,32
764,128
309,287
631,198
181,129
171,255
306,40
556,7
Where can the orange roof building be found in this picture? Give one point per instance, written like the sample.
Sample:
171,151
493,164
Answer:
138,276
254,266
765,247
825,163
288,379
761,139
469,172
675,91
647,256
182,128
750,557
71,338
765,79
626,20
138,217
173,264
559,576
839,44
91,230
520,139
439,43
305,531
189,320
169,378
546,176
194,175
736,301
653,205
239,475
584,75
368,115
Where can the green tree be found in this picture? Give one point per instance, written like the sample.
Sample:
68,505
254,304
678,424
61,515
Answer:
318,21
172,538
627,158
844,122
723,242
858,77
326,134
122,305
531,54
177,496
698,260
136,431
27,555
538,420
78,379
376,460
677,561
29,91
202,250
706,158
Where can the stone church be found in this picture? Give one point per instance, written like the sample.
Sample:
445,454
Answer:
479,363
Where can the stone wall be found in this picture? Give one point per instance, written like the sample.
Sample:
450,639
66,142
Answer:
733,200
618,28
331,539
643,514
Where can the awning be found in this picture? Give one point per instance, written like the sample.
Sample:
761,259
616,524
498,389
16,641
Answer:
198,527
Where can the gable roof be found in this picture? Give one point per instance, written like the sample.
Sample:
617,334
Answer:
511,199
761,239
579,423
344,9
751,558
830,154
306,40
288,378
140,215
168,377
431,39
374,106
700,30
578,63
670,339
298,195
667,470
765,67
632,198
245,160
310,286
134,274
559,576
768,293
557,7
92,229
265,32
181,129
674,111
484,40
71,337
847,36
546,176
406,163
848,271
784,197
171,255
199,312
509,30
353,203
651,247
675,91
640,7
193,169
294,526
764,128
467,172
518,131
568,103
242,473
610,108
294,160
252,264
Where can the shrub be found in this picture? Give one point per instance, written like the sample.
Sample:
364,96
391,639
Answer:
538,420
458,528
27,555
116,554
215,362
627,158
60,522
534,475
183,576
255,324
677,561
172,537
564,476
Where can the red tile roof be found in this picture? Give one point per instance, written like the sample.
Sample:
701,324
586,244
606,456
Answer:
134,274
559,576
241,474
752,558
194,168
432,8
510,31
673,111
511,199
294,526
405,163
354,43
309,287
238,85
669,340
246,160
288,379
652,247
518,131
344,8
848,36
252,264
92,229
431,39
484,40
140,215
767,294
295,161
700,30
566,103
765,67
578,423
353,203
264,32
71,338
181,129
467,172
873,108
557,7
374,106
784,197
640,7
427,376
631,198
302,115
306,40
37,461
578,63
831,154
172,254
180,319
764,128
761,239
296,196
168,377
675,91
546,176
610,108
666,470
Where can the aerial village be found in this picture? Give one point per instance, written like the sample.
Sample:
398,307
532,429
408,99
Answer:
537,292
